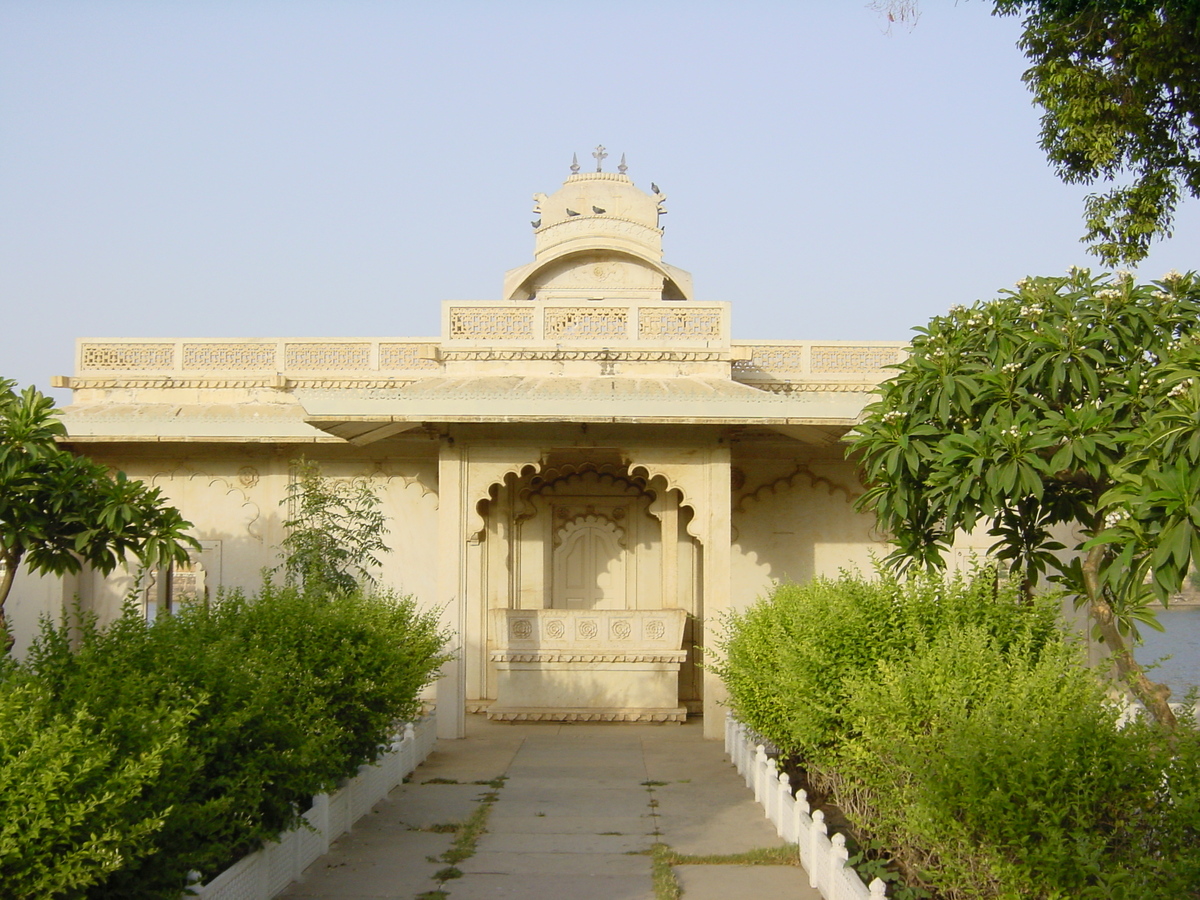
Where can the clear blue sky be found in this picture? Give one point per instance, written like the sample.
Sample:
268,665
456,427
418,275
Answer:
246,169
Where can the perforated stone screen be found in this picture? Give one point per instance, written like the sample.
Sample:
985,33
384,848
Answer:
229,357
586,323
327,356
679,323
490,323
126,357
405,356
852,359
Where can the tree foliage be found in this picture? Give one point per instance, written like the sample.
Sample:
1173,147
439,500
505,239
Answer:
1119,85
59,511
1119,81
335,531
1069,403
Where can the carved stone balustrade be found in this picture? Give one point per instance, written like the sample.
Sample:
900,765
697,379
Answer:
588,665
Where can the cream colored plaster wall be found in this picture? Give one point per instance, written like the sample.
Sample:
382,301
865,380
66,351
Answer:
794,520
33,597
233,500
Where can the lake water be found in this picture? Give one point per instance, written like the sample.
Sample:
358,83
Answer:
1180,641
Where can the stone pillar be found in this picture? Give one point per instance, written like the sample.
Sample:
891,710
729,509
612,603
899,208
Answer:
669,520
702,475
452,588
717,538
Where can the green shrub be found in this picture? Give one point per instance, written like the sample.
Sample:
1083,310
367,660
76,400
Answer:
994,773
960,728
291,692
69,803
788,658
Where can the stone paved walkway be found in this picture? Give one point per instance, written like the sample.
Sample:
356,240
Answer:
572,812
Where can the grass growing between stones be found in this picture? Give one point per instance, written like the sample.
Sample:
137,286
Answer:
662,876
467,835
663,860
441,828
473,828
760,856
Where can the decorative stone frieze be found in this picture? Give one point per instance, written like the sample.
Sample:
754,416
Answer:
600,665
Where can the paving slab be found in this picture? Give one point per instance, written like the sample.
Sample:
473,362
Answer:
574,864
720,820
610,803
580,808
499,823
512,842
759,882
352,869
718,833
423,806
552,887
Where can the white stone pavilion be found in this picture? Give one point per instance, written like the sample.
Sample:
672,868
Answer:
582,475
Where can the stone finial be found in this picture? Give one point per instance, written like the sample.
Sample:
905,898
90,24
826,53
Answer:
622,168
574,163
600,156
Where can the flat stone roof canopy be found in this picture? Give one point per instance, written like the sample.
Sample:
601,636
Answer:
531,398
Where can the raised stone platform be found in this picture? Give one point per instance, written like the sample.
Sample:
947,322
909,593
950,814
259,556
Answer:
613,665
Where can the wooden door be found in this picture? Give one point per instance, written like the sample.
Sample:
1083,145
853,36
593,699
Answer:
589,567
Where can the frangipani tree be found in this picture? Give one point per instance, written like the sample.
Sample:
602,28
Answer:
59,511
1070,404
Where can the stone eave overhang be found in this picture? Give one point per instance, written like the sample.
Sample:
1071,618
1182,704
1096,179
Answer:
682,401
184,423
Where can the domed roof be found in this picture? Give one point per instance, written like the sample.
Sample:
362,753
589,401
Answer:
598,236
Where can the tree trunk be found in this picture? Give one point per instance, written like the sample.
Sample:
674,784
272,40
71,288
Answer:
12,561
1152,694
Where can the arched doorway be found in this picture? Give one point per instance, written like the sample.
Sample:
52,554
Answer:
587,537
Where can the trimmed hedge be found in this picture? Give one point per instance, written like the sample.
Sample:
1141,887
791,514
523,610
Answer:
961,730
227,718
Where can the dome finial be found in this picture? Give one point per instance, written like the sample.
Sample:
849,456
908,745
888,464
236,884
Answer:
622,168
600,157
574,163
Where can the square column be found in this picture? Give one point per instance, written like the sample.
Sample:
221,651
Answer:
717,540
452,584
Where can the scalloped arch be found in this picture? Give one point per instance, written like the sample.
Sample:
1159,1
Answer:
589,520
787,482
185,471
671,485
483,491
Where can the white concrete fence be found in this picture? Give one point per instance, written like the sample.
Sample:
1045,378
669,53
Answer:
267,872
823,857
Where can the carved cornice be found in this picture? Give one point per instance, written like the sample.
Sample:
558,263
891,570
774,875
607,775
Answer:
288,382
276,382
603,354
584,715
575,656
813,387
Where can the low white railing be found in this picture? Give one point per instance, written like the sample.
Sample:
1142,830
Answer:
823,857
267,872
